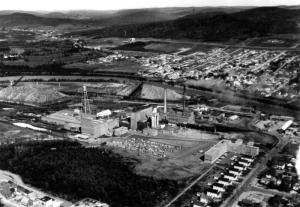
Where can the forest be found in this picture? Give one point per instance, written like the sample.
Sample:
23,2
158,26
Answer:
73,172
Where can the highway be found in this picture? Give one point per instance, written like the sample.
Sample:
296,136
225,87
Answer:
189,186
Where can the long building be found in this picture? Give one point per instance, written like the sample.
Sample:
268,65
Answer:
68,119
216,151
224,146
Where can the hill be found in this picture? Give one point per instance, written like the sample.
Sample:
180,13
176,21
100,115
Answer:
102,18
211,26
25,19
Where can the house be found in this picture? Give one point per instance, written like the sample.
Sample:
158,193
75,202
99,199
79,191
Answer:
219,187
214,194
230,176
244,163
202,198
239,167
225,182
235,172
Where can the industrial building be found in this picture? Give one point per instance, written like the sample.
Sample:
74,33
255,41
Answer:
140,114
224,146
97,127
68,119
90,125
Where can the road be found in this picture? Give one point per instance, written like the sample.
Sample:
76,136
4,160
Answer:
189,186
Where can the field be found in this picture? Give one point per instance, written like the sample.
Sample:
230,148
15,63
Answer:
124,66
272,42
167,47
200,48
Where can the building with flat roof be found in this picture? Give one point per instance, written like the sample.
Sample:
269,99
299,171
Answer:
224,146
97,127
68,119
216,151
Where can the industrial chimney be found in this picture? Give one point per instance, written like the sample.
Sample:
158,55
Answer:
85,101
184,90
165,100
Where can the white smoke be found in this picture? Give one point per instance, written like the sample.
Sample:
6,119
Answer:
298,162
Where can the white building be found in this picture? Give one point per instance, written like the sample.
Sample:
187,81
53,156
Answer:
214,194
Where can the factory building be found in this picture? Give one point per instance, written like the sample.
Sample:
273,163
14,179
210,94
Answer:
224,146
68,119
97,127
140,115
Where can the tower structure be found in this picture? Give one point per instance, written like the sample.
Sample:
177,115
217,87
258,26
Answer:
85,101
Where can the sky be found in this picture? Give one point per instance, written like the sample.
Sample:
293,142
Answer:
50,5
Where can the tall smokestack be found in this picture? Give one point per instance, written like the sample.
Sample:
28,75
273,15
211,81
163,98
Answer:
184,89
165,100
